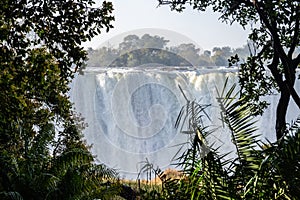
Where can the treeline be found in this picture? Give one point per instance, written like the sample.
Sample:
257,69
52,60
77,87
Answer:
147,49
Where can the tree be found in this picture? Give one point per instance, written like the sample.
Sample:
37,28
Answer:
205,59
149,57
242,52
187,51
221,55
136,51
209,172
134,42
41,145
155,41
102,57
130,42
147,49
275,41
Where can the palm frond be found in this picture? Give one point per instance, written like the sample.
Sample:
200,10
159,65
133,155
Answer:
203,166
239,119
280,160
70,159
11,195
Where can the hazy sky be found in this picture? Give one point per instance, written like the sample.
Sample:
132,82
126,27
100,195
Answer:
203,28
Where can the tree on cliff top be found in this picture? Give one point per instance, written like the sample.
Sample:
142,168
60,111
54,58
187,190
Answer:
43,155
276,37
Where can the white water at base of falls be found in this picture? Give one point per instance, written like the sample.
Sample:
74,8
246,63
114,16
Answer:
131,113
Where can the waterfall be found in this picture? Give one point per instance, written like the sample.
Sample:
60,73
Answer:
131,112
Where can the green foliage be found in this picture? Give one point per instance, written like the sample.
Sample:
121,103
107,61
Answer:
238,116
187,51
254,90
258,171
43,155
152,50
133,42
149,57
275,37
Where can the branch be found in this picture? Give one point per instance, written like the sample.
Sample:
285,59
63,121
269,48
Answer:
273,30
275,72
264,49
296,36
294,95
278,49
168,2
278,77
296,61
161,2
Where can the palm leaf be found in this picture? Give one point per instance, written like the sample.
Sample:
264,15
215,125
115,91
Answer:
238,117
11,196
70,159
204,167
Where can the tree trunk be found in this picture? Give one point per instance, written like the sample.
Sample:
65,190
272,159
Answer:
282,111
286,90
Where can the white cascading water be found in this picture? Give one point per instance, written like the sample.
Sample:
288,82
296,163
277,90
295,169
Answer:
131,112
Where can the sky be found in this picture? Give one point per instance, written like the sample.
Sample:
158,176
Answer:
203,28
